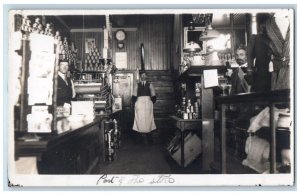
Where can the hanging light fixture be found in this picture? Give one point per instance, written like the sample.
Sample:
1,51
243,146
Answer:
209,32
191,48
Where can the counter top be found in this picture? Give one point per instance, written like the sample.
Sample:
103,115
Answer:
185,120
268,96
33,147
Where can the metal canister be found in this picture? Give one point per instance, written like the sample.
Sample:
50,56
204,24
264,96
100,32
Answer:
107,125
192,108
185,115
195,115
190,115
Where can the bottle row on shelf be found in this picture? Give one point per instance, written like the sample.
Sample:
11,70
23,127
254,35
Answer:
187,110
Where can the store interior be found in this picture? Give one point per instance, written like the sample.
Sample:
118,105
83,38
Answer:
201,126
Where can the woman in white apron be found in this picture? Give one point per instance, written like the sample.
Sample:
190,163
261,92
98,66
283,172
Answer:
143,99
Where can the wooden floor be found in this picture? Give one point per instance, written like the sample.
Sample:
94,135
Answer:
133,158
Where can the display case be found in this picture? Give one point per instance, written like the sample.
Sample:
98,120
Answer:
268,98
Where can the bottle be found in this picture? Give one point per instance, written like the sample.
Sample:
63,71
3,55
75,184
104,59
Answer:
106,144
109,146
112,138
116,134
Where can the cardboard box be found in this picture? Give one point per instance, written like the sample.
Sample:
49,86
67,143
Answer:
192,148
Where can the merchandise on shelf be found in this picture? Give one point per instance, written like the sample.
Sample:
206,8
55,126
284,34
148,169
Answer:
112,138
187,110
67,51
95,62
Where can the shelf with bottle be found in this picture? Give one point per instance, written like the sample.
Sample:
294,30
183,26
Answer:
188,110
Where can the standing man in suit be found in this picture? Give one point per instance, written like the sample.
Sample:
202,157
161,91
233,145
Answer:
65,86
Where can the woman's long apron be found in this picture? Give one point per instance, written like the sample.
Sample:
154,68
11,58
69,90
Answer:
143,118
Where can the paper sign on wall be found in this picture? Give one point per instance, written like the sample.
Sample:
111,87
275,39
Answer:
210,78
89,44
121,60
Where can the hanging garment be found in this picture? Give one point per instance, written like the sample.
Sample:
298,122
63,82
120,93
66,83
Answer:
280,48
144,119
259,57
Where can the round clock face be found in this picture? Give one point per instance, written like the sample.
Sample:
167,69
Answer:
120,35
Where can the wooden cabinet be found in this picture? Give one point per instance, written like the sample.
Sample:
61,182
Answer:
270,98
77,151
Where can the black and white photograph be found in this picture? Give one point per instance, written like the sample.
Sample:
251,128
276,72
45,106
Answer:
151,97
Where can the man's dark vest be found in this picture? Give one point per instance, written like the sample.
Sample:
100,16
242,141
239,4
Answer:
143,90
64,91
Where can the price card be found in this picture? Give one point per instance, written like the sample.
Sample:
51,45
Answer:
210,78
121,60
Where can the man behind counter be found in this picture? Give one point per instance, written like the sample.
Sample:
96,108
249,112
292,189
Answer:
239,78
65,86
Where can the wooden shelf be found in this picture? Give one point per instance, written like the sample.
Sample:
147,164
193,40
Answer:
268,96
185,120
196,71
91,72
93,81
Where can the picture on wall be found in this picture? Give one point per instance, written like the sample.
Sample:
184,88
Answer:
89,43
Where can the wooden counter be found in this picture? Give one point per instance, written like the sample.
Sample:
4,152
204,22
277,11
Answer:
75,151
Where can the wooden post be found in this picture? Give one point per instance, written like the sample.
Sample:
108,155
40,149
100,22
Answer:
207,126
24,84
223,140
273,140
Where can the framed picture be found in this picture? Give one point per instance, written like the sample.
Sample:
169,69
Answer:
89,43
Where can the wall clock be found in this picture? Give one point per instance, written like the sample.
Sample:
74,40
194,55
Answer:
120,35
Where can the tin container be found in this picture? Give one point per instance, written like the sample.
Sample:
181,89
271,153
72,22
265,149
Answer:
190,115
185,116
